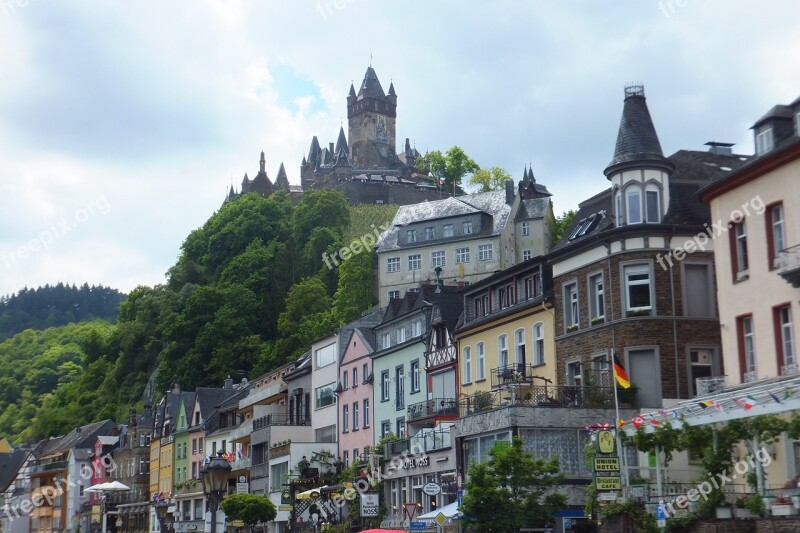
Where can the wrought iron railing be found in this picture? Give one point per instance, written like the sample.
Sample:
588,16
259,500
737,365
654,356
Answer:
710,385
529,395
431,408
279,420
751,376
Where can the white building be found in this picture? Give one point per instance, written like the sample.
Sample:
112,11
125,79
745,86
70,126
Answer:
464,239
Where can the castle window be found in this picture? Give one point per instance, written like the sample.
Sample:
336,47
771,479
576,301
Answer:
411,235
447,230
484,252
462,255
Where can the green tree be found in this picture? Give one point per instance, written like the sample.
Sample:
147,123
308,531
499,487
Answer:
354,292
251,509
306,317
516,482
491,179
561,224
451,166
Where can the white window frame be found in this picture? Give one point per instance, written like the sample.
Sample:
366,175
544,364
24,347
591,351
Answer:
485,252
317,395
618,208
740,240
778,228
386,340
597,301
438,258
385,386
355,416
466,365
401,334
765,141
538,343
652,218
630,191
394,294
326,355
572,312
466,227
480,351
462,255
430,233
787,338
415,262
411,235
748,334
502,350
366,423
520,348
415,381
392,264
526,254
526,229
345,418
416,328
447,231
638,269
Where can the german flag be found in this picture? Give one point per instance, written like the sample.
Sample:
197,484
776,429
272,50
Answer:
620,374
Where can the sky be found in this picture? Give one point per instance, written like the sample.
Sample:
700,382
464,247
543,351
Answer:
122,124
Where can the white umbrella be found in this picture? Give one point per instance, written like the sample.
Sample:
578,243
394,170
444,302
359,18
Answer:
100,487
115,486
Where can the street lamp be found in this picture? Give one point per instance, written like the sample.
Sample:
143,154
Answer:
215,484
162,508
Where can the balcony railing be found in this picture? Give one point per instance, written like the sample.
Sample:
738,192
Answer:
279,420
789,265
514,374
442,356
529,395
789,370
751,376
427,440
258,395
48,467
432,408
710,385
241,463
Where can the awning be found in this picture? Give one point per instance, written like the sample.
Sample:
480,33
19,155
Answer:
450,511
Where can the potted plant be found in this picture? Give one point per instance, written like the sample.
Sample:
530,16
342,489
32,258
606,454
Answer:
724,511
483,400
627,397
782,507
573,327
755,504
597,320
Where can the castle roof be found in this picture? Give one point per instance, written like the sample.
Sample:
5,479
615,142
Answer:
341,142
282,180
371,87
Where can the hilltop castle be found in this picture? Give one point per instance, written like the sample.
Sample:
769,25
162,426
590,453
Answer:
362,164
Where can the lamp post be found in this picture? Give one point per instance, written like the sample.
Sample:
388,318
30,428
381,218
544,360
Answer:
162,507
215,484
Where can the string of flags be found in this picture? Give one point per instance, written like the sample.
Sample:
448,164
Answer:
655,418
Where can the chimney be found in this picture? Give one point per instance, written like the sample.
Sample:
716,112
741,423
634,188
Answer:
720,148
509,191
228,384
330,148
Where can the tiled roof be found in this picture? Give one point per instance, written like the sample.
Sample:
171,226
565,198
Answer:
371,87
82,437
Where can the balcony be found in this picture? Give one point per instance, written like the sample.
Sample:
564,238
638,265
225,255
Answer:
529,395
432,408
789,265
428,440
789,370
515,374
242,463
256,396
240,432
440,357
259,471
48,467
710,385
751,376
279,420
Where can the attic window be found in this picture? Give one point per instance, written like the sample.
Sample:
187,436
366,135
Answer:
585,226
764,141
577,229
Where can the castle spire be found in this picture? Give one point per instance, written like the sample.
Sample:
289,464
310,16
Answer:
341,142
262,162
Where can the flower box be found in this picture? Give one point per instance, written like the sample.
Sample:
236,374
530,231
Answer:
742,513
724,511
782,509
796,501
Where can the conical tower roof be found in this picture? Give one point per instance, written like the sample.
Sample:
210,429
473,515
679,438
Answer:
371,87
341,142
282,181
637,142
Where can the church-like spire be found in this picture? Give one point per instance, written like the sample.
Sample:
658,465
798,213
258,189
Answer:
351,96
245,181
371,87
313,152
637,142
262,162
282,181
341,142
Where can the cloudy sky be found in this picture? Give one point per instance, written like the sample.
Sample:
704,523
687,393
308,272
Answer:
123,123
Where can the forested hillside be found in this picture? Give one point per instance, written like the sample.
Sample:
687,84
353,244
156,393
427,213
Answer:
56,305
249,291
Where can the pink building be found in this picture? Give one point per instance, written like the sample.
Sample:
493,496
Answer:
355,397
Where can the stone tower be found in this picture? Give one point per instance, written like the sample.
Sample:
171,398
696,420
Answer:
371,117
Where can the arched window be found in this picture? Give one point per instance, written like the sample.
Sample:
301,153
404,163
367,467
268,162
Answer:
618,208
652,202
633,202
502,351
519,353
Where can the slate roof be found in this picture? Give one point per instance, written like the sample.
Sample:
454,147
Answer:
365,322
778,111
341,142
209,398
535,208
82,437
368,335
637,141
282,180
693,169
370,87
450,303
492,203
10,463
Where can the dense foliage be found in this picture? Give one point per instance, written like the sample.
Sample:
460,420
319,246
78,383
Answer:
516,482
249,292
56,305
251,509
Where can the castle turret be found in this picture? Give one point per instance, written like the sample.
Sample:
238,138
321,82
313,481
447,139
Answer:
261,183
371,118
282,181
639,172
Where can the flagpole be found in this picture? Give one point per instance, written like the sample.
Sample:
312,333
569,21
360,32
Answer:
618,429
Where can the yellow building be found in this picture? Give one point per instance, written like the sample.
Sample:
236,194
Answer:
155,455
506,344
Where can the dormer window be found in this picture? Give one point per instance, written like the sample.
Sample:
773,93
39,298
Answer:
447,230
411,235
764,141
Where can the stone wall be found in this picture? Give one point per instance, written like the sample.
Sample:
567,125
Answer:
764,525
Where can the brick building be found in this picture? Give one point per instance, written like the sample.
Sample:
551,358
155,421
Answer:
634,273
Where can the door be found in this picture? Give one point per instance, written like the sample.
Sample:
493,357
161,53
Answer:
645,374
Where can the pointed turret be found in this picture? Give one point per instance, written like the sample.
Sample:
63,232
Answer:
371,87
392,96
303,163
341,142
637,143
262,163
245,181
282,181
351,96
261,183
341,159
313,152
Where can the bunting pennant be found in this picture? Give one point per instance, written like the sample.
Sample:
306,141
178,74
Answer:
675,415
719,407
706,404
655,422
749,402
637,422
621,423
777,400
662,413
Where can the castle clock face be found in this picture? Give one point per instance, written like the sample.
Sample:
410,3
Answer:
381,133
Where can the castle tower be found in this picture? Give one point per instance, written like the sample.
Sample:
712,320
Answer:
639,172
371,117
